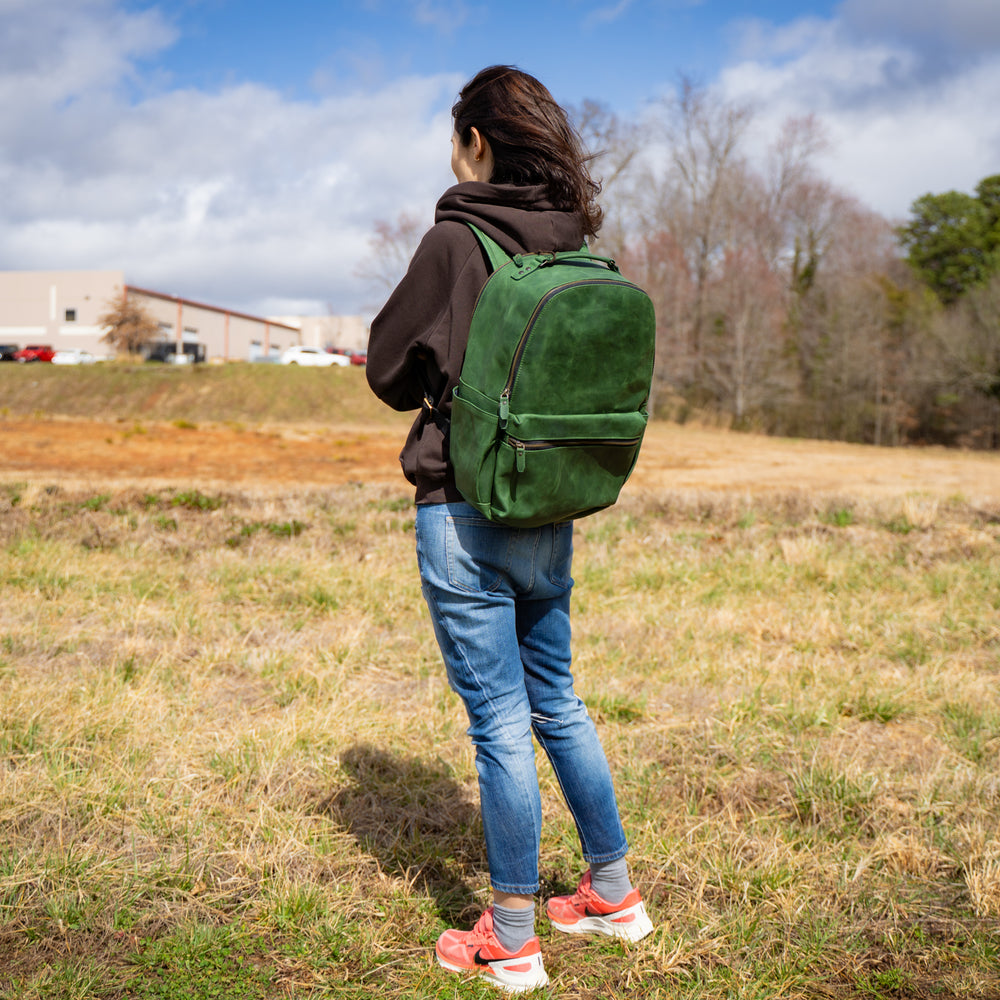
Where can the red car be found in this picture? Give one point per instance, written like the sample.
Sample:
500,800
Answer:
34,352
356,357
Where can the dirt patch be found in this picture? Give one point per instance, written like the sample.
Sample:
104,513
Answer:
673,458
161,452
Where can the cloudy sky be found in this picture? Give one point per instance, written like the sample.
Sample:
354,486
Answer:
238,152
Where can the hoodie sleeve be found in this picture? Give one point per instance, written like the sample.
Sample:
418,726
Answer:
411,336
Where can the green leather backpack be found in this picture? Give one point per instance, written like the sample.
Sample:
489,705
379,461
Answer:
551,405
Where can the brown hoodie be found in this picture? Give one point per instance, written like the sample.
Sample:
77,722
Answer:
418,339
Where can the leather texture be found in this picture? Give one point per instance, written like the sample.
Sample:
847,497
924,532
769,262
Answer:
551,406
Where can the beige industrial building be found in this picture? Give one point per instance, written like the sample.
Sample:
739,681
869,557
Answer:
63,308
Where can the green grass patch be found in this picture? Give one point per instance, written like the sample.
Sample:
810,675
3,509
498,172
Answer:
234,394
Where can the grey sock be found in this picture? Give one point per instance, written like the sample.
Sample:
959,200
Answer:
514,928
610,880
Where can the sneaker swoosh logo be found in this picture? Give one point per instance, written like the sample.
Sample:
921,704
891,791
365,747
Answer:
478,958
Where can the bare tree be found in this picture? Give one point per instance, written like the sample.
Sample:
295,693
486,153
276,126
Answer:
613,144
391,248
976,356
850,352
128,326
795,205
742,355
657,263
703,133
968,339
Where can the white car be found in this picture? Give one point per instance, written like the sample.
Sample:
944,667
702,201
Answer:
299,354
74,356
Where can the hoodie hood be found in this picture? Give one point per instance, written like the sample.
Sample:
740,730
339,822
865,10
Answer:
520,218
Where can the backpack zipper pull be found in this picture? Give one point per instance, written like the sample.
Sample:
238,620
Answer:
519,449
504,408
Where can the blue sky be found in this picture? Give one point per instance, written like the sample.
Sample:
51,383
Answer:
619,53
240,152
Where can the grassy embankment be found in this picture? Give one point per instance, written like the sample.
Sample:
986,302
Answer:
241,393
230,765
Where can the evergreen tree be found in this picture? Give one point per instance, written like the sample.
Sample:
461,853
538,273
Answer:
952,241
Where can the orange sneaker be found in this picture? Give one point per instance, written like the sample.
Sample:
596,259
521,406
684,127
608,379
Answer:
480,951
586,913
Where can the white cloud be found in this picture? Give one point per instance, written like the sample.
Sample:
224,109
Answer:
240,197
607,14
810,57
966,26
897,131
445,16
55,50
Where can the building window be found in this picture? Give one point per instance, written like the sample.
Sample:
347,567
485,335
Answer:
70,315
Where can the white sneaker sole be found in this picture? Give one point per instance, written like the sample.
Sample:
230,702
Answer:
514,975
632,924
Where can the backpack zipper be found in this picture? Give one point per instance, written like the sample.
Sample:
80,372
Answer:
522,447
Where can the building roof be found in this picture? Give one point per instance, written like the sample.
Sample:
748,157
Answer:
204,305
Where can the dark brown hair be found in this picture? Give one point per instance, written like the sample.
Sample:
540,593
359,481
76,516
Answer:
531,139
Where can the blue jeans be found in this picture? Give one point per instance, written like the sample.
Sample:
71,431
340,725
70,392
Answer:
499,601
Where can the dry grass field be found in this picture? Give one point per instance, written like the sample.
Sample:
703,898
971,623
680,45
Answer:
230,765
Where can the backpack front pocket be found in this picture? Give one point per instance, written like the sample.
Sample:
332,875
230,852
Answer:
581,460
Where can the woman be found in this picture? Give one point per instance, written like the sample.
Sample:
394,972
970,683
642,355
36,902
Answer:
498,596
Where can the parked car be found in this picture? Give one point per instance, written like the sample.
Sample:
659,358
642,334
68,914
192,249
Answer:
166,351
73,356
300,354
344,355
8,352
359,357
35,352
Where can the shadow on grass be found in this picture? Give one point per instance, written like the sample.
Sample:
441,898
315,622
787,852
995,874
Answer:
416,820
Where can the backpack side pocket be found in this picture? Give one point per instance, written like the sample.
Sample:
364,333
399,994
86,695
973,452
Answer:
475,430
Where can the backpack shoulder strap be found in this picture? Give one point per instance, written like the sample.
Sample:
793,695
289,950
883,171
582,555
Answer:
498,256
496,253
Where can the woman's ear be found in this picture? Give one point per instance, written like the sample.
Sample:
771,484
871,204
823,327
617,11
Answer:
482,155
476,143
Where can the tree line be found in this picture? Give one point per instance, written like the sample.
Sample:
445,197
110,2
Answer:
783,304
